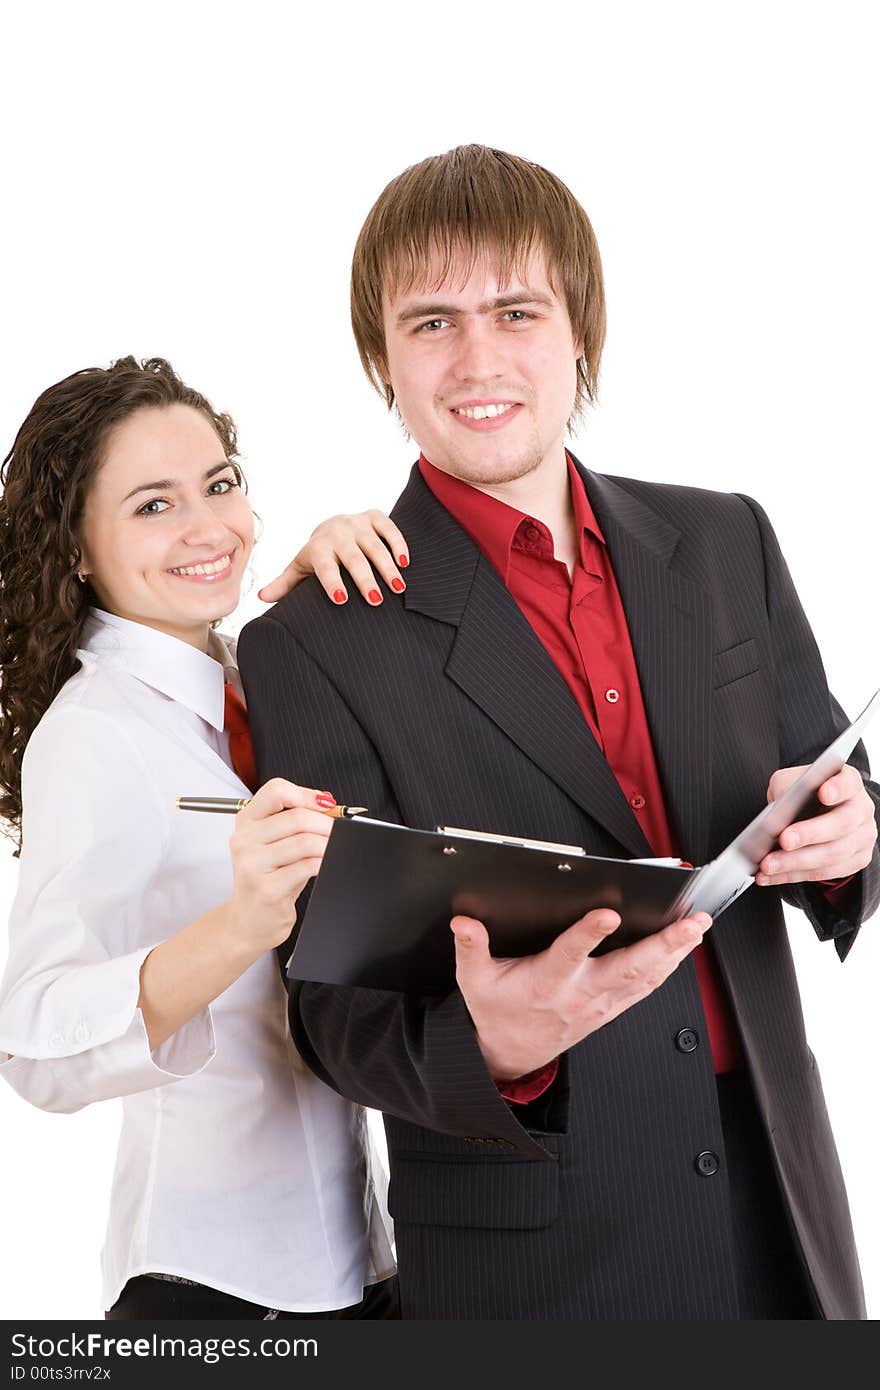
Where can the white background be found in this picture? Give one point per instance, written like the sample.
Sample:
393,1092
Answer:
188,180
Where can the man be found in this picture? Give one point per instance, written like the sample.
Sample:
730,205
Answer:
581,659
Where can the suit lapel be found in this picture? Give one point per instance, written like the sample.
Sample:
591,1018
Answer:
500,664
670,625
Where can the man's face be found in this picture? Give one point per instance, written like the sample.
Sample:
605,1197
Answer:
483,372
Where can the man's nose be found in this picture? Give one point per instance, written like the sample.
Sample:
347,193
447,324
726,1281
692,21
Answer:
478,354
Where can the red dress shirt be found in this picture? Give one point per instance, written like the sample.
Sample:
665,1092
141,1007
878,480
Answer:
581,622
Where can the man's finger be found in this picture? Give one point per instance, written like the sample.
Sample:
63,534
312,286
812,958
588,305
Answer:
782,780
471,951
572,947
821,829
842,786
642,966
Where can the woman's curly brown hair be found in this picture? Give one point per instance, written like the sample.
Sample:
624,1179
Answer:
46,477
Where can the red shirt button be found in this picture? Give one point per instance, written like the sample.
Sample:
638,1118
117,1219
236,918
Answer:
532,533
612,696
637,802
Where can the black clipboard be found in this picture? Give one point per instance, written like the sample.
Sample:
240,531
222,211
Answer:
380,907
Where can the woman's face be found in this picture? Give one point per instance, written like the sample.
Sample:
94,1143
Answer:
167,531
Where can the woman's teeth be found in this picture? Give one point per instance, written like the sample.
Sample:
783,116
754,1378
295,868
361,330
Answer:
215,567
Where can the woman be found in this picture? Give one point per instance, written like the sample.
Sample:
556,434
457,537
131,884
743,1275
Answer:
141,961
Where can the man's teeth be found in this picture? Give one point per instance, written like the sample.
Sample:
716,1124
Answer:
483,412
213,568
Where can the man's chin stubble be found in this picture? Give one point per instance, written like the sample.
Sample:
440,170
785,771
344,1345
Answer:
498,471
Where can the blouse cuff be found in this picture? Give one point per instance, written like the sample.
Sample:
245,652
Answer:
118,1068
86,1040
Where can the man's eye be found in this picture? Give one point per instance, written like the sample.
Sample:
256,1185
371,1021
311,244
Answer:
517,316
148,509
226,484
433,325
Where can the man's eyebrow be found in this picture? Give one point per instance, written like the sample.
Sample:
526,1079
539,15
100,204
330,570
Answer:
430,309
163,484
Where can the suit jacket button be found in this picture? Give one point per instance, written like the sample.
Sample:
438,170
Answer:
686,1040
706,1163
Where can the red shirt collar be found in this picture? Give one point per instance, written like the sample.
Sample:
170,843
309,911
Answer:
493,525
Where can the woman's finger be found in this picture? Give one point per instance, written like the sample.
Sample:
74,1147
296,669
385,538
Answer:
352,558
280,795
391,535
329,577
293,574
376,551
291,851
292,881
271,829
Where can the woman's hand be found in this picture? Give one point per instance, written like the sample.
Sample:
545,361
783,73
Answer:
276,847
361,543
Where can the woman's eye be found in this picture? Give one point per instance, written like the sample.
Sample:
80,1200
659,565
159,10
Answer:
225,484
149,508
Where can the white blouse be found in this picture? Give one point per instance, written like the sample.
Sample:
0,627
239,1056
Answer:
236,1166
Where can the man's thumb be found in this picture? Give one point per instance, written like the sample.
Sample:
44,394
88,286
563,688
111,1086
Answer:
469,935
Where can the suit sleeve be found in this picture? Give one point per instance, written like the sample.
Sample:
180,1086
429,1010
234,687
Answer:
409,1056
804,702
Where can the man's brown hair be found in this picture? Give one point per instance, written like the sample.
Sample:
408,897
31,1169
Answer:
466,202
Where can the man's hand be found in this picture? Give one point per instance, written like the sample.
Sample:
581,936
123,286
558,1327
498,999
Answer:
835,844
526,1011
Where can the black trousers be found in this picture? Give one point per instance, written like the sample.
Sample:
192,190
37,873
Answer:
771,1281
147,1297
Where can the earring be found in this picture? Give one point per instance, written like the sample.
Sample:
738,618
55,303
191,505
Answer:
80,577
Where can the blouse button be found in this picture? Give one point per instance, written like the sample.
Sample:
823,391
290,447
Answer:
637,802
612,696
532,533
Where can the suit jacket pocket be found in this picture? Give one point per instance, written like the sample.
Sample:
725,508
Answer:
734,663
497,1192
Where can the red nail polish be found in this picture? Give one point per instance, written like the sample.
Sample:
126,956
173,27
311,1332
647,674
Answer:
325,800
398,586
339,596
403,561
374,596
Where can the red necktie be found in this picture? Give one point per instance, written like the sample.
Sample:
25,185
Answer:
241,750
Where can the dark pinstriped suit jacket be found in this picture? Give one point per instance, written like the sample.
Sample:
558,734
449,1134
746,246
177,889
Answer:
446,709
